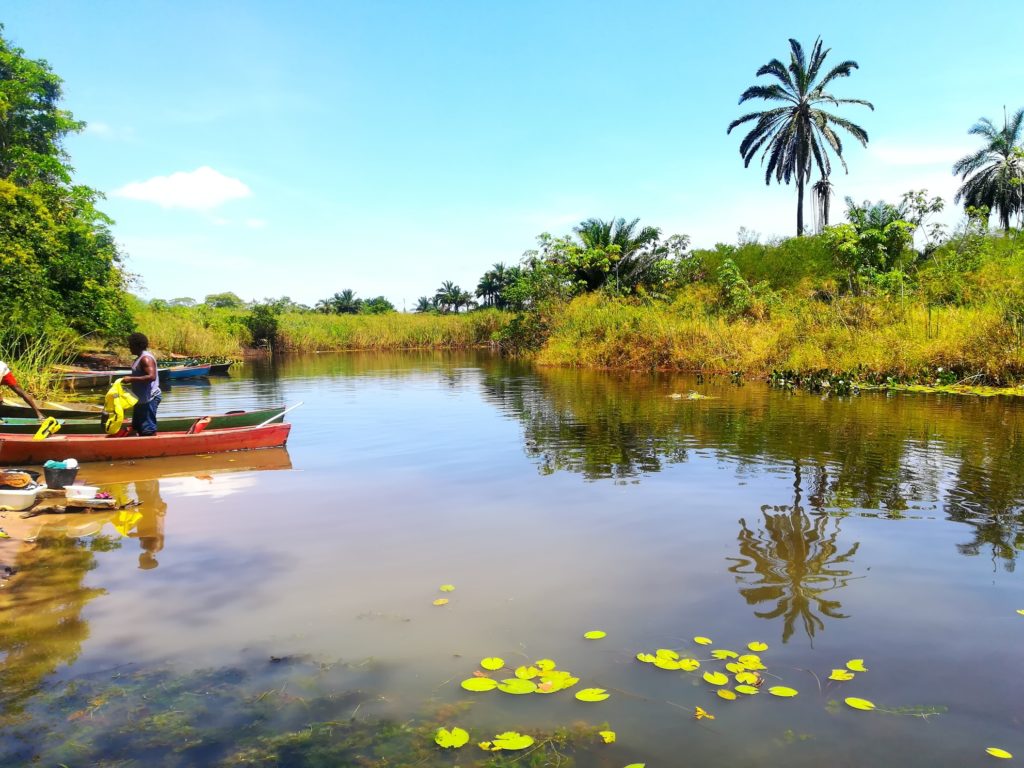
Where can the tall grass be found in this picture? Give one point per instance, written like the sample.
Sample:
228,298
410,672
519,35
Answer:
206,332
34,360
315,332
873,336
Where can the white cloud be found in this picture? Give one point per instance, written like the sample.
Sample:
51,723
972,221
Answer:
200,190
255,223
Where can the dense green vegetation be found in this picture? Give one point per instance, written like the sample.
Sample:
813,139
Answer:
60,268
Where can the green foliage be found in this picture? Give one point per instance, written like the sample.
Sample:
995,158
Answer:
872,245
59,264
226,300
32,127
738,297
376,306
262,324
782,263
451,298
341,303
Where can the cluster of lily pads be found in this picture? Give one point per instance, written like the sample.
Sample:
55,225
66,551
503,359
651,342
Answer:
542,676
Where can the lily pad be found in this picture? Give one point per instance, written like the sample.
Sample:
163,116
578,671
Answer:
595,634
757,646
856,665
721,654
725,693
608,737
666,653
441,601
516,686
669,664
748,678
592,694
479,684
526,673
783,691
716,678
646,658
749,690
544,665
735,667
452,739
447,587
637,765
689,665
700,640
493,663
511,740
856,703
841,674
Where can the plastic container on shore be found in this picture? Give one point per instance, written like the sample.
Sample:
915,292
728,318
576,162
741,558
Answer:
80,492
18,500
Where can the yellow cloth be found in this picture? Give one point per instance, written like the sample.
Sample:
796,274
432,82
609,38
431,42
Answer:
47,428
115,404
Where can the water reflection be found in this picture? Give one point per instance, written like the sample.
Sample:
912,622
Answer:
886,456
794,563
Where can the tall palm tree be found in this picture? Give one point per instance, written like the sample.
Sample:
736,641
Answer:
994,175
425,304
448,296
799,134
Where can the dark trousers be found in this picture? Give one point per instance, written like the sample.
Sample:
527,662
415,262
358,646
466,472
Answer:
144,417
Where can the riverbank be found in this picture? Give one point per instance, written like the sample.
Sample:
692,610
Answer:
869,340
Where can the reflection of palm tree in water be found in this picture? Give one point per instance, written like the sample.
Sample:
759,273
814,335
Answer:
793,563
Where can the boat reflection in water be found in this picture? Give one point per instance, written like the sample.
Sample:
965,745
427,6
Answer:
48,557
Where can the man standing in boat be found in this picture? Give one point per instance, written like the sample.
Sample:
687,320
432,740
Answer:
145,385
7,378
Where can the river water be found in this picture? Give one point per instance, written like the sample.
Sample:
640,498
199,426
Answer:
253,598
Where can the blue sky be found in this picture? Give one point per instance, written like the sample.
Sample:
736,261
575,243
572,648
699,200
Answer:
302,148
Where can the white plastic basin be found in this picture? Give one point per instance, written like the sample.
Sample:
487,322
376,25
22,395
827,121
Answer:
17,499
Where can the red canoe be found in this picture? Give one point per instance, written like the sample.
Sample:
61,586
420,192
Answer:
22,449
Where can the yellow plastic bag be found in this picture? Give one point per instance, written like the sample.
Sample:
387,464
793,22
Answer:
47,428
115,404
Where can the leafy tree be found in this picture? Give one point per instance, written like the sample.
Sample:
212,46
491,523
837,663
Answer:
376,306
59,263
994,175
799,134
182,301
32,127
873,241
227,300
262,324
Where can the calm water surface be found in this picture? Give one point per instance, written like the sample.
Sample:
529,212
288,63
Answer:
879,527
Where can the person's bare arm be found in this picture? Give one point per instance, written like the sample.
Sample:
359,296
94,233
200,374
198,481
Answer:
148,372
28,399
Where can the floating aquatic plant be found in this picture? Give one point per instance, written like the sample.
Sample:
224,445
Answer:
452,739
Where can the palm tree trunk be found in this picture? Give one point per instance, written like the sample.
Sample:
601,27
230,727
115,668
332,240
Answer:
800,204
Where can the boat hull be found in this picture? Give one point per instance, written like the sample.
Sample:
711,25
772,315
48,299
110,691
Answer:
94,424
57,410
22,449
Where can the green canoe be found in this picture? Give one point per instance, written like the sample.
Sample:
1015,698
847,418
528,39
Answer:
93,426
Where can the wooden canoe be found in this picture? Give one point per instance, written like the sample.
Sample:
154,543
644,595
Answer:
94,425
184,372
59,410
22,449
